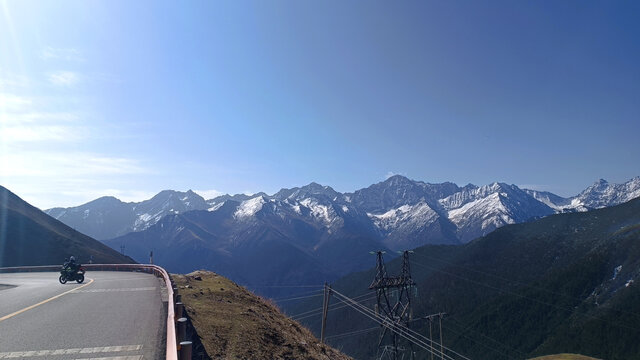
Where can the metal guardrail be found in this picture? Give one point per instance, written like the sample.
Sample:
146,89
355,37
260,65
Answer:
172,348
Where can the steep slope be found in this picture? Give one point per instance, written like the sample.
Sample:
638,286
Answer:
108,217
232,323
28,236
567,283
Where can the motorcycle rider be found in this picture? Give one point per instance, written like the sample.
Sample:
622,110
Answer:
70,265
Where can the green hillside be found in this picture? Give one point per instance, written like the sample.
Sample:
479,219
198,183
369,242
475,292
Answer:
562,284
28,236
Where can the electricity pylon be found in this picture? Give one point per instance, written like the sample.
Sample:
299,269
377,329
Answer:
396,313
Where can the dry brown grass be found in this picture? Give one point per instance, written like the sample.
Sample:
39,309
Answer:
564,357
236,324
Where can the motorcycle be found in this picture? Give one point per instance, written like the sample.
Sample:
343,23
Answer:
67,274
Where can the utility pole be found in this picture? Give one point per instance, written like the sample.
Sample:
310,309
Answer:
325,309
430,318
430,337
122,249
441,344
151,257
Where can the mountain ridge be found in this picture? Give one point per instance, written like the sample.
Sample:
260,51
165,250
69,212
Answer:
431,213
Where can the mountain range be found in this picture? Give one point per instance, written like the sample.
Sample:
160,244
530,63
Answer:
314,233
403,213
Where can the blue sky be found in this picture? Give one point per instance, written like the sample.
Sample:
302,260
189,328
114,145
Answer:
127,98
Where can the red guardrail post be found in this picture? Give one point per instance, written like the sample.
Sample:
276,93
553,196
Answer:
185,350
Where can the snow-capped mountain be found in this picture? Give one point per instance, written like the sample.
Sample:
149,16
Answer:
400,213
314,232
602,194
108,217
599,195
477,211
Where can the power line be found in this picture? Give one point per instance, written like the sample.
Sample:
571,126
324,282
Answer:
405,332
297,298
295,295
401,332
412,331
351,333
369,297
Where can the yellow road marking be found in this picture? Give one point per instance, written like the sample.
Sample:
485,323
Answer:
43,302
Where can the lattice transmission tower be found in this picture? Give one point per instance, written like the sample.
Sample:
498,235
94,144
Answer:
393,296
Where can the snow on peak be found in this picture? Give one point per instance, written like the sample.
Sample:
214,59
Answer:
249,207
472,195
603,194
418,214
490,209
324,213
215,206
144,221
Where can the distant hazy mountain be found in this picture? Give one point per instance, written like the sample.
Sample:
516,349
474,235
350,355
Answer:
28,236
108,217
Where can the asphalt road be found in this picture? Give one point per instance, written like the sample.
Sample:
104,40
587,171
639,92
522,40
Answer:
117,316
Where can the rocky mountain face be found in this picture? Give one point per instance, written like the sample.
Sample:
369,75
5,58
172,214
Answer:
108,217
28,236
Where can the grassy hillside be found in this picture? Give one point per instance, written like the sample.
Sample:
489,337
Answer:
563,284
28,236
235,324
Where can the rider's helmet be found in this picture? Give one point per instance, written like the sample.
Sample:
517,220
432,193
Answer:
72,259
